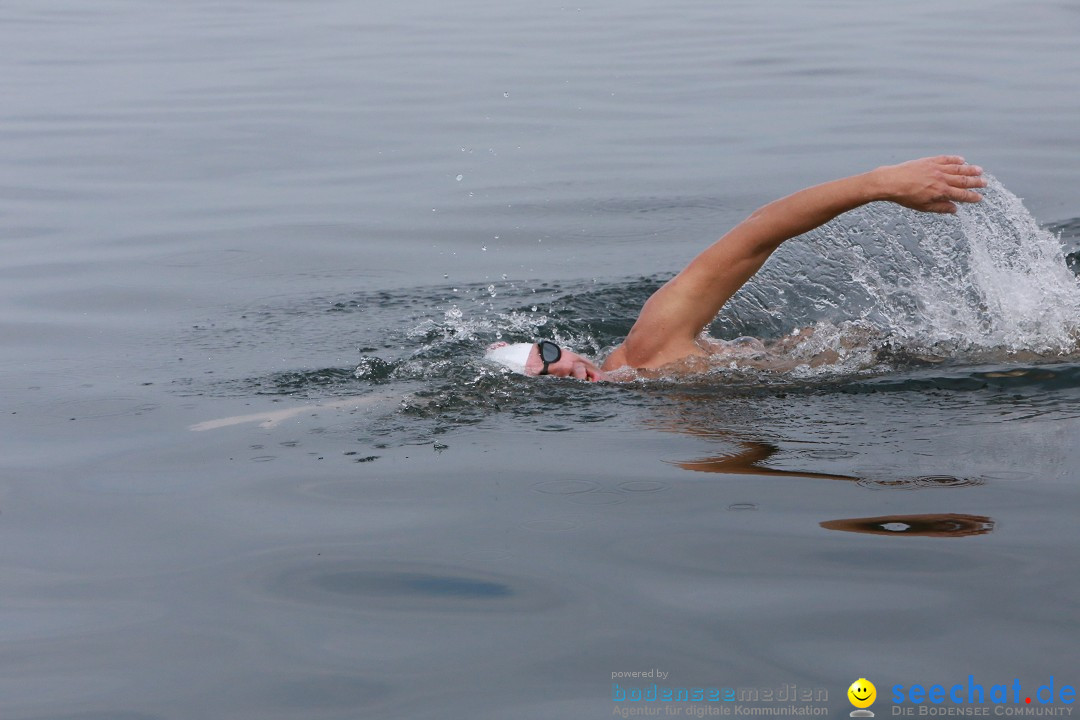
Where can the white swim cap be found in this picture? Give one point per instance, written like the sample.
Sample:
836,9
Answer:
513,356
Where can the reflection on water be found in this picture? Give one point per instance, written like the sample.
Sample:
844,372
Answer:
932,525
748,458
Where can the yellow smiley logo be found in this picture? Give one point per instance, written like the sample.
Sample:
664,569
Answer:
862,693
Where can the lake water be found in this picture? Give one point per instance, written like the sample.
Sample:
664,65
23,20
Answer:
318,215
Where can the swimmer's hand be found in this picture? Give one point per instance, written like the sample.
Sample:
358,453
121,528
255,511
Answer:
933,184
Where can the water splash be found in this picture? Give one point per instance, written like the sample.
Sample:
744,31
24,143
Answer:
988,278
887,292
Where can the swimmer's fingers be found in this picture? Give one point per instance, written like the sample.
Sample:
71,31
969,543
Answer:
961,169
947,205
959,185
933,184
967,196
962,177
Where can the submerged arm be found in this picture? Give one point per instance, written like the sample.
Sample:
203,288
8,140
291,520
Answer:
676,314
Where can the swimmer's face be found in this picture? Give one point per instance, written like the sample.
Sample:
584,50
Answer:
569,365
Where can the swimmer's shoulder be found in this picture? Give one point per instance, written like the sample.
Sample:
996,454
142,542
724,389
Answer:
671,355
616,360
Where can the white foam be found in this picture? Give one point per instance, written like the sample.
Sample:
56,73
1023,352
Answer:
987,278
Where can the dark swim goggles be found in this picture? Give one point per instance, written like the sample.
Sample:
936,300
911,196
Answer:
549,353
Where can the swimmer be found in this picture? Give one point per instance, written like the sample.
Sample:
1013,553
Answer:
670,325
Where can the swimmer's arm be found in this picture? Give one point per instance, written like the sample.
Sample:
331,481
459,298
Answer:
675,315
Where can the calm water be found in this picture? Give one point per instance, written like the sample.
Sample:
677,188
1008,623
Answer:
212,210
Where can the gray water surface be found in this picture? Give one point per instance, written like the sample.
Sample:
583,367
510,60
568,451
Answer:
211,210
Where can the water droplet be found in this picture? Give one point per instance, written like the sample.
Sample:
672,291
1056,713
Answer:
459,178
483,248
506,94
